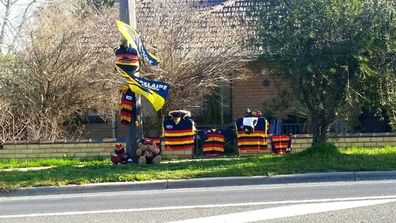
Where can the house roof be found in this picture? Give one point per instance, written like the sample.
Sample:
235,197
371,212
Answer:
219,22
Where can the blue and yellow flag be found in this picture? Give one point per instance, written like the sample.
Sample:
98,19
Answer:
154,91
136,42
153,60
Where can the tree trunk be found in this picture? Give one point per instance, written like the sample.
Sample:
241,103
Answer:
319,130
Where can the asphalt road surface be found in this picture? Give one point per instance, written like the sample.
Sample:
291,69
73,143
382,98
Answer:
368,201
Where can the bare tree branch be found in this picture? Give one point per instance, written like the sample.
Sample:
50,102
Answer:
6,19
17,33
199,49
60,75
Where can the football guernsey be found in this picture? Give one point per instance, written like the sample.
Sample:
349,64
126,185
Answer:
281,143
179,131
252,133
214,143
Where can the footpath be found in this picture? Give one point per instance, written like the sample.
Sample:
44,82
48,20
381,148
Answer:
205,182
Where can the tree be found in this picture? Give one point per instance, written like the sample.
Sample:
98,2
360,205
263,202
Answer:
98,5
64,70
379,88
101,3
321,47
66,66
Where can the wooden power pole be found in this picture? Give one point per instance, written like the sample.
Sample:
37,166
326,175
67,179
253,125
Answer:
128,15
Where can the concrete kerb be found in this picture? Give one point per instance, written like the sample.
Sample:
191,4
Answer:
375,175
205,182
260,180
89,188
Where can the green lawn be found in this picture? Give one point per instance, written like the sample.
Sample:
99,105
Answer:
322,159
12,164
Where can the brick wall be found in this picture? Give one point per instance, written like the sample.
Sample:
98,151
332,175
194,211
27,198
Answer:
87,149
84,149
367,140
169,155
252,93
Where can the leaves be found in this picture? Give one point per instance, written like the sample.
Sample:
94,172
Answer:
325,48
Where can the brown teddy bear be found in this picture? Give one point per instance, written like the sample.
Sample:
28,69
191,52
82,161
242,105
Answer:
148,152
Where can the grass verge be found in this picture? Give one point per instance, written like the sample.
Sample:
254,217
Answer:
14,163
324,158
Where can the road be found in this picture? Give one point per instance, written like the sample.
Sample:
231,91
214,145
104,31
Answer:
365,201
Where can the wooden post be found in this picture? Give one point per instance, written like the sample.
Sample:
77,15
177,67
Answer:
128,15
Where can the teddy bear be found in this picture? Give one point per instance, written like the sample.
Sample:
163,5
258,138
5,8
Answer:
119,155
148,152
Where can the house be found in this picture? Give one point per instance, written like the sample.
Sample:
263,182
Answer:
221,21
260,91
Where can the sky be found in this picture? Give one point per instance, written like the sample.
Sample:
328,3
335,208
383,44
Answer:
16,14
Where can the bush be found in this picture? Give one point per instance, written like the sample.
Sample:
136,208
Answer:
323,149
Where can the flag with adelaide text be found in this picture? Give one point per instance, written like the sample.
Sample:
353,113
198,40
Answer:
155,92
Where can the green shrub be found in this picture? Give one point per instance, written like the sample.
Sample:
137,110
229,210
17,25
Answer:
323,149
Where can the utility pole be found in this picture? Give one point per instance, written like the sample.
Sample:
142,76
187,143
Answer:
128,15
222,104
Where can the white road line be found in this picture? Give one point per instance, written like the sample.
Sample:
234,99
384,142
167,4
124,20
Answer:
190,190
285,211
380,199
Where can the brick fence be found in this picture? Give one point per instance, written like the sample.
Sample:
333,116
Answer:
367,140
94,149
81,149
